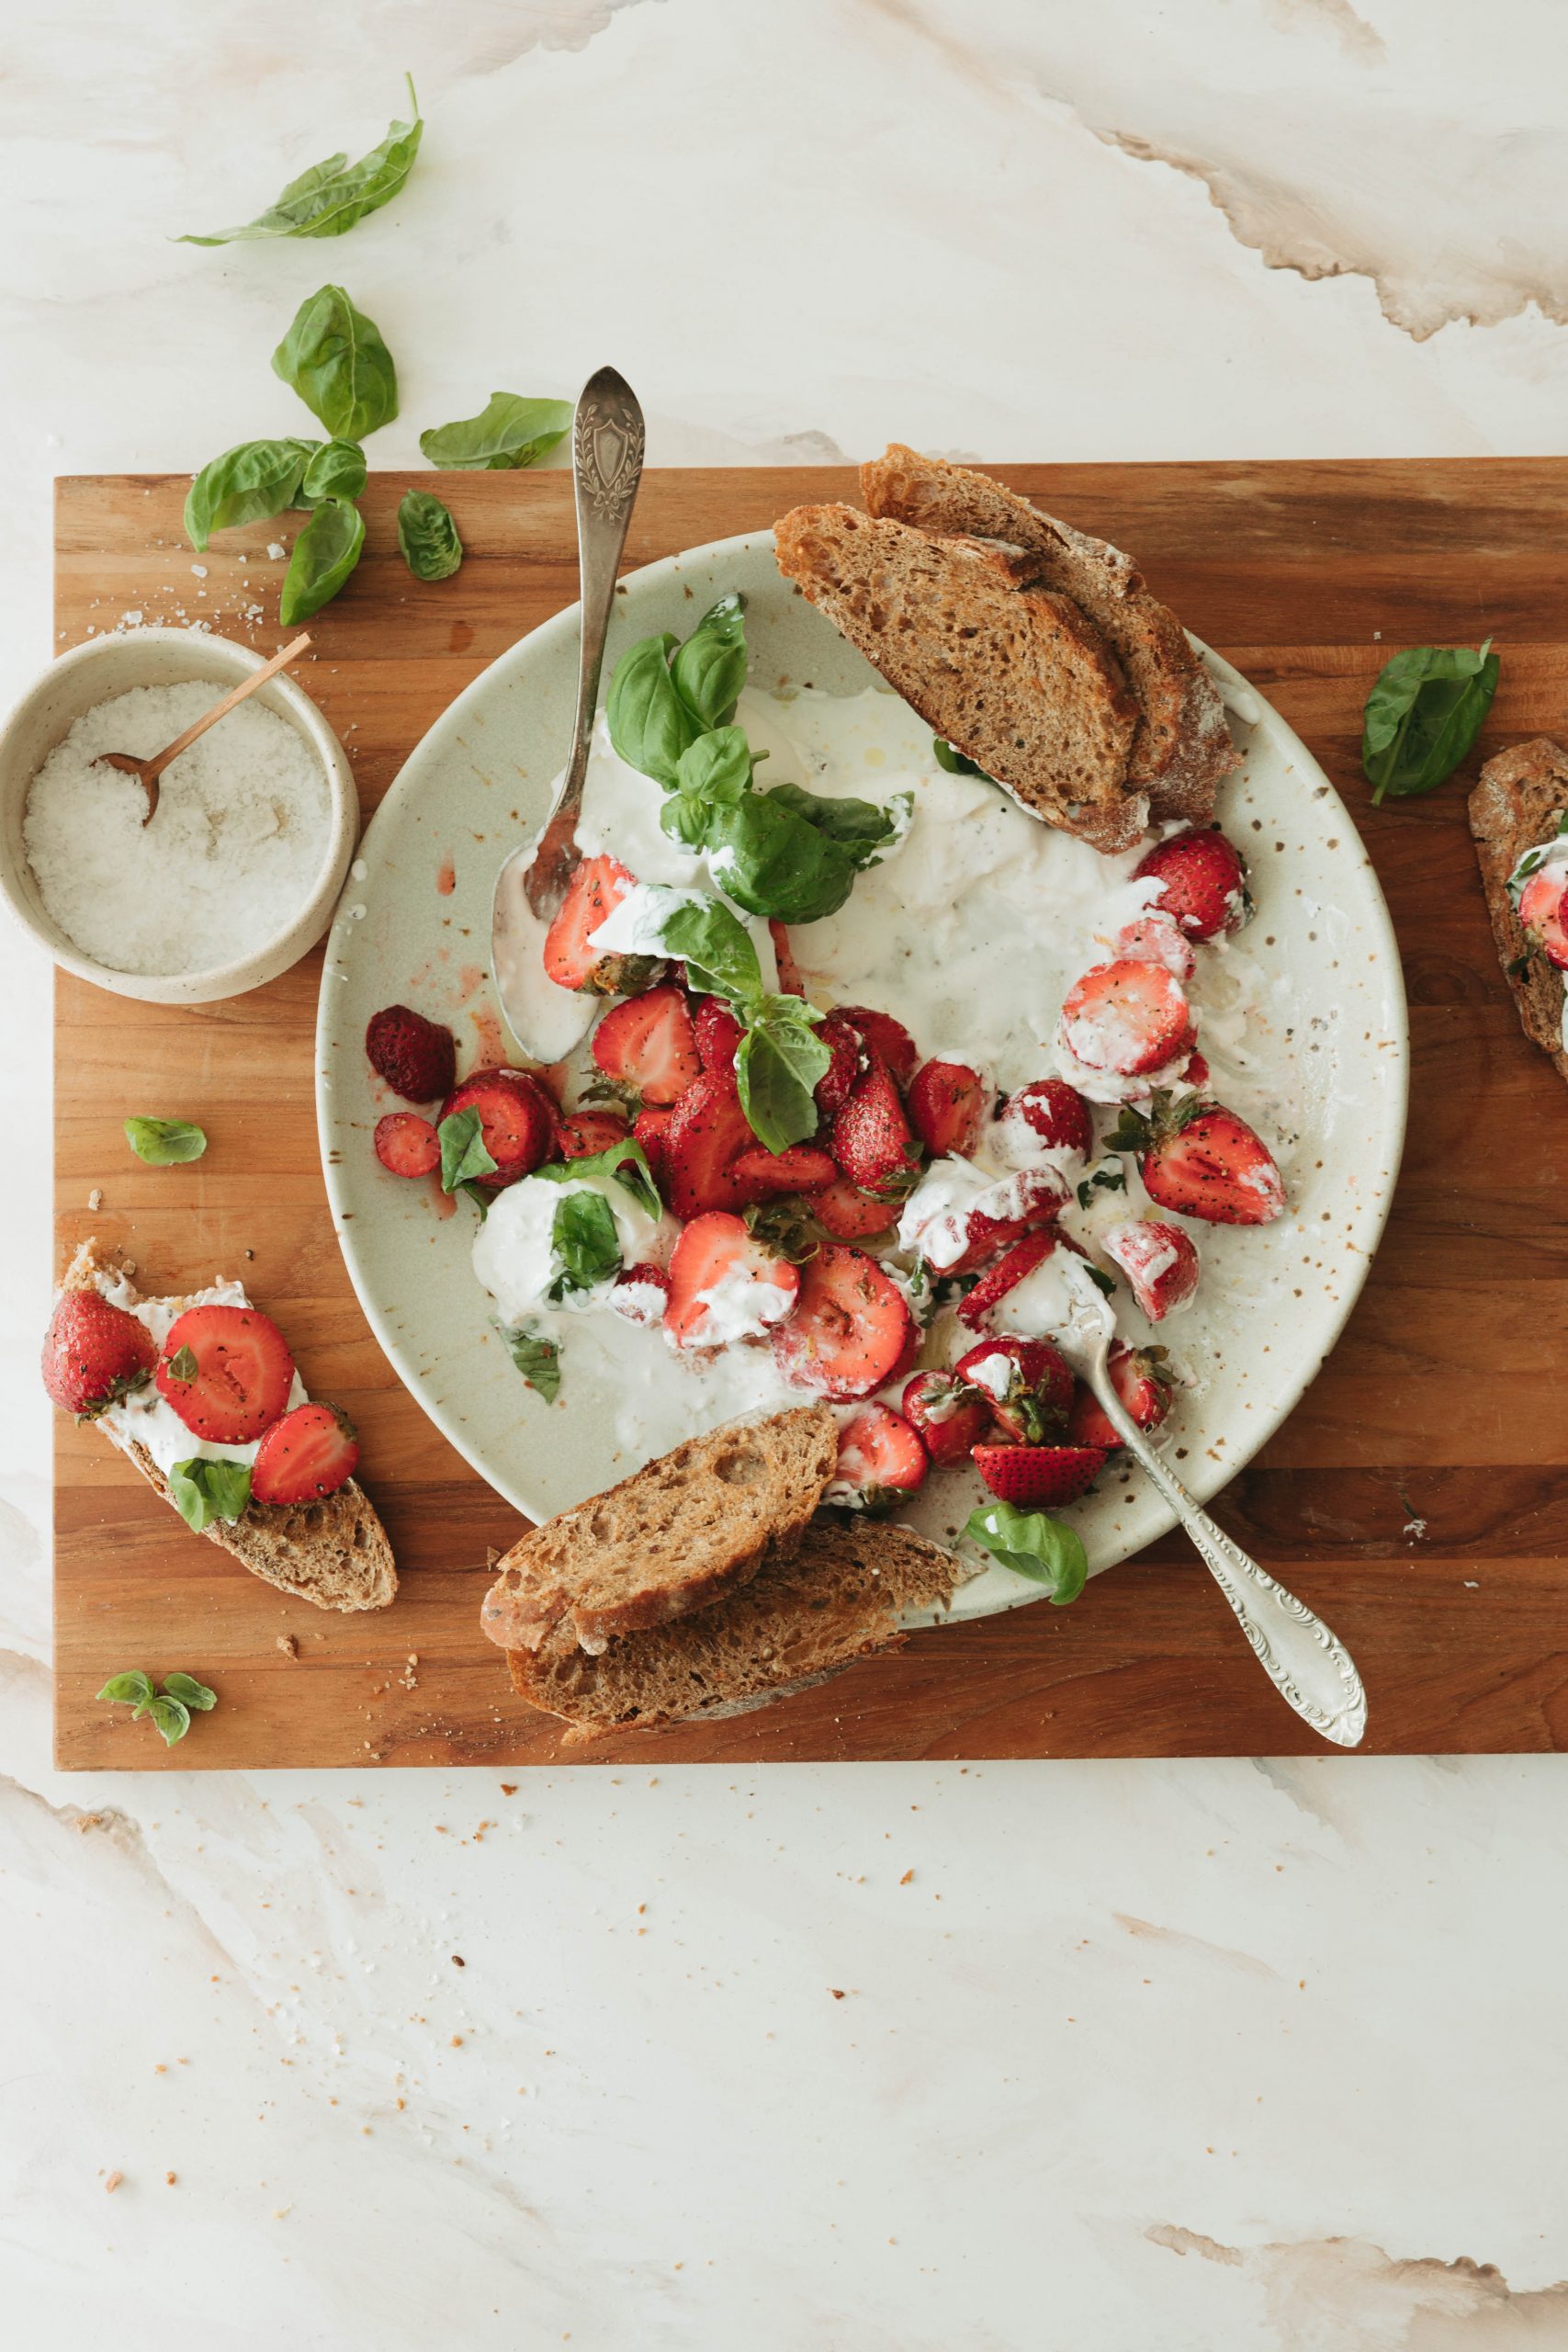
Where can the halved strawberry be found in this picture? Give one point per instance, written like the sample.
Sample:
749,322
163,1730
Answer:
950,1416
717,1033
706,1135
1030,1385
596,888
648,1128
407,1144
790,981
965,1237
587,1132
871,1138
836,1081
881,1459
417,1057
725,1284
227,1372
1039,1477
94,1354
1159,1261
648,1042
946,1102
1055,1112
803,1168
1144,1386
641,1293
1202,882
517,1120
886,1039
1540,912
311,1452
851,1331
1202,1159
1157,938
850,1214
1127,1017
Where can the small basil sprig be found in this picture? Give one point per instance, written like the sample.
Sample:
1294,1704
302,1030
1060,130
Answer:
1423,714
585,1248
428,536
536,1358
1035,1545
164,1143
781,1059
170,1708
465,1159
335,359
508,431
336,470
625,1162
249,483
202,1490
793,856
329,198
324,554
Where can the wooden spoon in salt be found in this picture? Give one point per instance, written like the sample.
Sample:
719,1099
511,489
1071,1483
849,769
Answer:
148,771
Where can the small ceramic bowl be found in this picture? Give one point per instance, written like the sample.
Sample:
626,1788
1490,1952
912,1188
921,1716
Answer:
95,673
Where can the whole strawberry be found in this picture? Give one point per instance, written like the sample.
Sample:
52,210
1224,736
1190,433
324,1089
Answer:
946,1102
1027,1382
415,1057
950,1415
1039,1477
1199,1158
871,1138
94,1354
1143,1383
1202,882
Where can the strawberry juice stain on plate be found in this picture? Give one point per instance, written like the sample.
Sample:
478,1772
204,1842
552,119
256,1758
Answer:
447,875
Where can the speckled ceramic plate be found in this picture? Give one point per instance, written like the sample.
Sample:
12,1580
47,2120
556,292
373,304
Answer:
1274,1299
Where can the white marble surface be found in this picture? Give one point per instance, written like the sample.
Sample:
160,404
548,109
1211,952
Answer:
1182,2055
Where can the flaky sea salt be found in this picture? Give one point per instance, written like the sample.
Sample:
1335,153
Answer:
239,835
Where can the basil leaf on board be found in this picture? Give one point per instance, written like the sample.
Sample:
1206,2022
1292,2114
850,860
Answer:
128,1690
324,554
710,668
189,1692
336,470
203,1491
957,763
1035,1545
333,356
164,1143
536,1358
428,536
627,1163
464,1157
171,1715
508,431
249,483
777,1066
650,724
772,862
1426,710
717,951
585,1248
328,199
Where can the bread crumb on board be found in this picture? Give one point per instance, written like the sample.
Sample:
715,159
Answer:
290,1645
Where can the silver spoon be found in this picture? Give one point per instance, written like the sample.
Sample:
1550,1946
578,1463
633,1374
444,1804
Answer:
147,772
606,466
1308,1665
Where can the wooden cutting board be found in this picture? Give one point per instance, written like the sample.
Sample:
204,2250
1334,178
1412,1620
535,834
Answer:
1416,1496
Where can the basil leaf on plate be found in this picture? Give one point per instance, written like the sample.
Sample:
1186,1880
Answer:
189,1692
334,357
650,724
324,554
336,470
1426,710
164,1143
128,1690
329,198
585,1248
203,1491
428,536
710,668
464,1157
536,1358
957,763
1033,1544
717,951
711,773
508,431
625,1162
773,861
249,483
777,1067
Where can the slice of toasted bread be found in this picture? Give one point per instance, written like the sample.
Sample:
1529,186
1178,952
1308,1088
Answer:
1181,747
1013,674
332,1552
836,1599
671,1538
1517,802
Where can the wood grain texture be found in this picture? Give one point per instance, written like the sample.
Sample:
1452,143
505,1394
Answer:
1441,1408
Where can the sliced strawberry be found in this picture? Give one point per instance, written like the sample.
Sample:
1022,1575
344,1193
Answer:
1202,882
717,1033
790,981
1030,1385
950,1416
881,1459
1196,1073
1005,1275
962,1238
725,1284
648,1042
587,1132
1039,1477
1128,1017
517,1120
94,1354
836,1081
802,1169
946,1102
641,1293
1055,1113
407,1144
1540,912
227,1372
596,888
417,1057
1158,938
1144,1386
872,1141
851,1331
1159,1261
311,1452
706,1135
886,1039
850,1214
648,1128
1215,1167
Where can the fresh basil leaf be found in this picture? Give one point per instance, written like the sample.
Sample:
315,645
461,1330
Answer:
777,1066
203,1491
711,773
333,356
183,1364
772,862
329,198
1426,710
164,1143
249,483
128,1690
625,1162
480,1197
650,724
508,431
337,471
957,763
463,1158
717,951
324,554
585,1248
428,536
1105,1284
1109,1177
536,1358
1035,1545
710,668
189,1692
859,826
172,1717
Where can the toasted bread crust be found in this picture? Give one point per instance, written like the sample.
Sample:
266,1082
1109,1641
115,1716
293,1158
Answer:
1514,804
